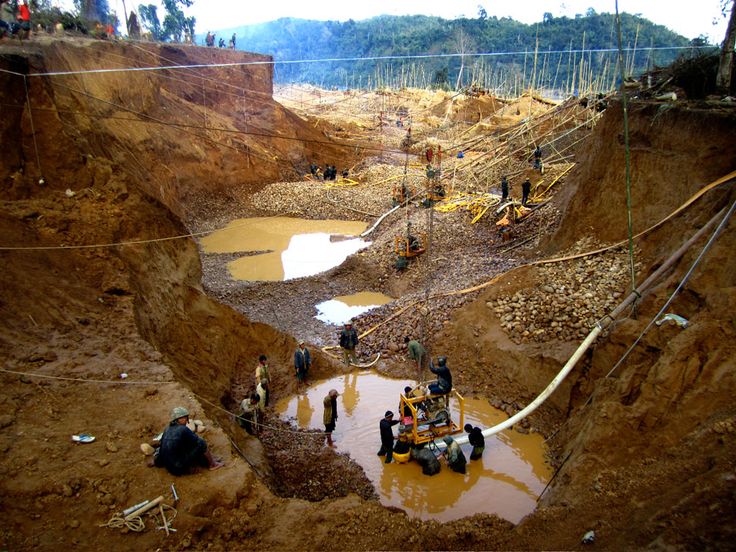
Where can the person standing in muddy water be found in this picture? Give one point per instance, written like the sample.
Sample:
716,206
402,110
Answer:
302,362
387,436
348,343
262,376
329,417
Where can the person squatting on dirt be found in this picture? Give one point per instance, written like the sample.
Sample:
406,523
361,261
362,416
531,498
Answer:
416,351
302,362
348,342
475,438
181,450
329,417
387,436
263,378
443,385
250,414
454,455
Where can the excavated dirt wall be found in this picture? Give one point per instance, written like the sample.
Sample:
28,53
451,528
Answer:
656,437
135,120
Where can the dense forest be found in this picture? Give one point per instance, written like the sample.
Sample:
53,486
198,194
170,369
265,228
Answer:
561,53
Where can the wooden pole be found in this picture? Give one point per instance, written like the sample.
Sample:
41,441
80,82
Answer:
143,509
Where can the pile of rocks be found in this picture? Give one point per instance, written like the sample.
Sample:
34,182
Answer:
568,300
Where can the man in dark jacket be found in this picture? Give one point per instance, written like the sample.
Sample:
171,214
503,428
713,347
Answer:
475,438
387,436
526,188
348,342
443,385
181,449
504,189
302,362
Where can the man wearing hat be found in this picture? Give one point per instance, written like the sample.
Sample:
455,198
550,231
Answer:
181,450
387,436
348,342
302,362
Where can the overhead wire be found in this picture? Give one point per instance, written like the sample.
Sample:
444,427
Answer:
346,59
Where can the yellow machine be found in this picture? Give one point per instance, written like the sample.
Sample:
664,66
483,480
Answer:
431,416
407,247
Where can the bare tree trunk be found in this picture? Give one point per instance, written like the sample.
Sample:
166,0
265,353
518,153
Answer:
725,67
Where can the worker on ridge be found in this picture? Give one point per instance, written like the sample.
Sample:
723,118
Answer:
443,385
348,343
181,450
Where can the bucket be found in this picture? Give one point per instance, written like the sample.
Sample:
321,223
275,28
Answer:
402,458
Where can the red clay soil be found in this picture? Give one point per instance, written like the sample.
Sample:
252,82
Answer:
648,463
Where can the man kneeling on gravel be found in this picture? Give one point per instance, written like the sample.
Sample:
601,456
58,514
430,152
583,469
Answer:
181,450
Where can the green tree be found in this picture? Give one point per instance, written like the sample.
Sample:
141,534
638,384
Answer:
482,13
149,19
175,22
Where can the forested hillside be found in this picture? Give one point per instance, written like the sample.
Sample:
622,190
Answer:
568,50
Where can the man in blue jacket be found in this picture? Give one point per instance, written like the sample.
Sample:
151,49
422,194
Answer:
181,450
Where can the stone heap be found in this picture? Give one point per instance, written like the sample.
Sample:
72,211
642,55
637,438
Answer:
570,297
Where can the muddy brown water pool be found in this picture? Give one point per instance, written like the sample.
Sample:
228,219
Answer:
285,248
506,481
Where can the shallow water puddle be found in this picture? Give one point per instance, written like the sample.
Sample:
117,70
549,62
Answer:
341,309
506,481
291,248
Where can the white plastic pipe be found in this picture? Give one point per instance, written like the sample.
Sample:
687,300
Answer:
532,406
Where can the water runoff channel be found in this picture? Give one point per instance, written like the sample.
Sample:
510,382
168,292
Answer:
512,472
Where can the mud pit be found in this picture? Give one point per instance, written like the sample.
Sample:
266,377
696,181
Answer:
646,463
512,470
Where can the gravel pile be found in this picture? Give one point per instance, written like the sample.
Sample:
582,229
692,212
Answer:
569,299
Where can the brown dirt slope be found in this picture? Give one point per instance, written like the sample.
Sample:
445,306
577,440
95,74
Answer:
649,462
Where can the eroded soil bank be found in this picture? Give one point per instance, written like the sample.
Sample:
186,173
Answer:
647,463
